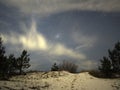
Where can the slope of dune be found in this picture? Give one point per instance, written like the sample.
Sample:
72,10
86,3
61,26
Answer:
59,81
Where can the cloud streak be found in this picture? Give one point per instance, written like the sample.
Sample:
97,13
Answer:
62,50
83,41
46,7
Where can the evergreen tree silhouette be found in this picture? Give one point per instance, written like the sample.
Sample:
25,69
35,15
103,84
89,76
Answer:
54,67
111,64
114,56
3,60
23,62
105,66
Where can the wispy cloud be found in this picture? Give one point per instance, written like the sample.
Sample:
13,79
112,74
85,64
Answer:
46,7
60,49
36,41
88,65
83,41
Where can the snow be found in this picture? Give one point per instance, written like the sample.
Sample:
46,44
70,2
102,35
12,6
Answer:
59,81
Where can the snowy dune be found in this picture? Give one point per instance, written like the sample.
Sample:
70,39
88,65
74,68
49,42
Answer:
59,81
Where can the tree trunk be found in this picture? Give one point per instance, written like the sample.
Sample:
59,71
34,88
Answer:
20,71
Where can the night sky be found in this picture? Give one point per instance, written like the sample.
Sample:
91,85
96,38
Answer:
55,30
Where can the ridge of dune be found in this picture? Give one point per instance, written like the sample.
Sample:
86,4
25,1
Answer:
59,81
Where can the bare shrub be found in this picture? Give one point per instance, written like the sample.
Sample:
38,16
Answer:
68,66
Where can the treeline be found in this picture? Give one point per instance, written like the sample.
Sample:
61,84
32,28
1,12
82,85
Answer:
10,65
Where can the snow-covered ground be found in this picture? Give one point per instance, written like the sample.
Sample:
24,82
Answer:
59,81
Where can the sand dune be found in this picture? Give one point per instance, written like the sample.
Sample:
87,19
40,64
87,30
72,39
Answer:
59,81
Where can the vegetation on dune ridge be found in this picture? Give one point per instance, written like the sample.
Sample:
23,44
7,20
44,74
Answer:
9,65
66,66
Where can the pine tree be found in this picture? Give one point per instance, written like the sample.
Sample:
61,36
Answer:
114,56
3,60
54,67
23,62
111,64
105,66
11,64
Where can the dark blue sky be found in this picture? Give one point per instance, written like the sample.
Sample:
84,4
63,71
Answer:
81,32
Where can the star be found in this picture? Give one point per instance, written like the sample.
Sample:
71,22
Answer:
57,36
